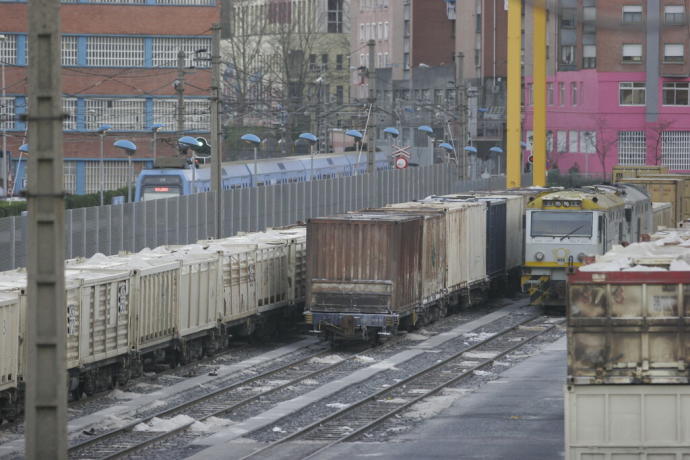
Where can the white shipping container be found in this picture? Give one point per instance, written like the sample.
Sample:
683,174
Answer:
13,282
98,308
465,239
9,340
627,422
515,232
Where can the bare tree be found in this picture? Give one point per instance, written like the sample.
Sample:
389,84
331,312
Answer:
656,131
597,142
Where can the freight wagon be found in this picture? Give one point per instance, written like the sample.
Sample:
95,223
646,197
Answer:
168,305
662,216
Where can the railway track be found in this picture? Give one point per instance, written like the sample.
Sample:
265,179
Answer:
126,440
366,414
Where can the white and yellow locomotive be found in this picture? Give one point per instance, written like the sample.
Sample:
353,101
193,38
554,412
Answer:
565,227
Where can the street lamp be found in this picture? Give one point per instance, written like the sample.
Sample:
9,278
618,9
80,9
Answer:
186,143
4,127
155,128
102,130
129,148
23,150
430,133
312,140
254,140
450,150
471,149
499,151
358,136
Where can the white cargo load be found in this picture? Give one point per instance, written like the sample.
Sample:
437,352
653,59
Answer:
627,422
9,339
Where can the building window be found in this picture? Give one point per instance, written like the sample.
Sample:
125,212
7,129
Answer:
588,142
165,51
561,93
589,56
676,93
69,50
8,49
573,144
632,53
549,93
674,53
362,32
674,14
568,54
561,141
7,113
338,62
632,14
385,30
69,108
406,61
339,95
529,94
197,113
573,93
631,93
121,114
111,51
675,149
324,62
386,61
335,16
568,16
632,148
379,60
379,31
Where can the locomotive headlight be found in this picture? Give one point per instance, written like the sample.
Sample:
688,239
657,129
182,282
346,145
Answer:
539,256
566,204
557,204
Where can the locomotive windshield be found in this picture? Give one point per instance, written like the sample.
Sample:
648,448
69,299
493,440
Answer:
160,186
563,224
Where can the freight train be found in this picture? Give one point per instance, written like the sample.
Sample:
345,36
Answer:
167,305
373,272
563,228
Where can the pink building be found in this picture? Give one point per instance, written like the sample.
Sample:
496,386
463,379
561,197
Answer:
596,120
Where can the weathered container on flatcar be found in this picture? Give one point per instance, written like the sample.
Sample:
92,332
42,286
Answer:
664,190
684,186
495,236
9,340
13,283
514,228
662,216
629,326
465,222
363,271
627,422
620,171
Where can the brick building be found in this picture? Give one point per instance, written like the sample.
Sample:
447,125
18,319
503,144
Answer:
119,69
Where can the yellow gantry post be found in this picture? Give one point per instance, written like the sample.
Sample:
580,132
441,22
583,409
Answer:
539,88
514,153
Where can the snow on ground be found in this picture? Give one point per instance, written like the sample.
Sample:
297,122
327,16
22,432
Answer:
482,373
338,405
393,401
330,359
112,422
164,424
416,337
478,336
122,395
211,424
310,382
365,359
433,405
480,354
384,365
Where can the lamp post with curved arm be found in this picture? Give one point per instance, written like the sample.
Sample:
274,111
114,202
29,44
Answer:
101,131
254,140
130,149
312,140
186,143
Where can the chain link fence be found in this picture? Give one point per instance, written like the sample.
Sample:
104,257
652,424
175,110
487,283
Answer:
187,219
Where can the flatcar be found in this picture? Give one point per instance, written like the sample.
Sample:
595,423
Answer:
565,227
158,183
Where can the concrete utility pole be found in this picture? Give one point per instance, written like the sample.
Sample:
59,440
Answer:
371,130
216,142
514,152
179,88
4,125
539,88
46,380
461,107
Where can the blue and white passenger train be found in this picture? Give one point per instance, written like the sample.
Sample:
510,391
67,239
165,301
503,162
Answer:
158,183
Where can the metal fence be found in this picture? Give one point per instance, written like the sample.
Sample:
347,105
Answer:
187,219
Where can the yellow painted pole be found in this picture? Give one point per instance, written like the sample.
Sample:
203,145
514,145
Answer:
539,87
513,160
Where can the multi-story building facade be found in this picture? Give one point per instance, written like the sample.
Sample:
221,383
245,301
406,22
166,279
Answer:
619,94
119,69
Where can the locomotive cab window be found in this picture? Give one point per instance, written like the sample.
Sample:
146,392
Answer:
561,224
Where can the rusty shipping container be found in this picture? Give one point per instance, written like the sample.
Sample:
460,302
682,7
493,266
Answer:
664,190
621,172
363,270
629,327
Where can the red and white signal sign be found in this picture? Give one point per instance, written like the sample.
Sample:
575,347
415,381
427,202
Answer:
401,162
530,159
